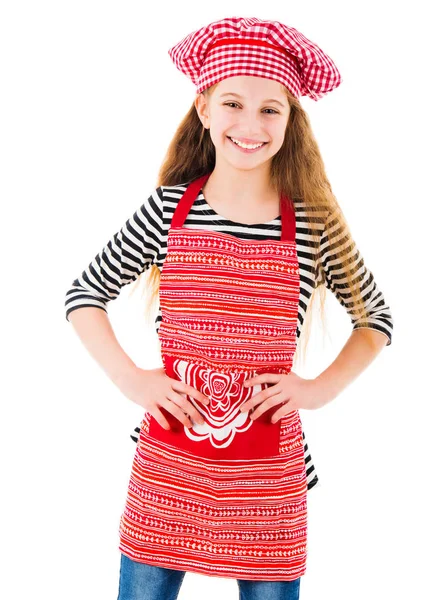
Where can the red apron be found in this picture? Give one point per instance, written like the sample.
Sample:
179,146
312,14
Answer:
229,497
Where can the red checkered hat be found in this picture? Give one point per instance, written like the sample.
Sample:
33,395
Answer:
250,46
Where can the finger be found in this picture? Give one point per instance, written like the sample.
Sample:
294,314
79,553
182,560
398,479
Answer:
161,419
181,387
284,410
265,406
263,378
172,407
187,407
194,393
259,398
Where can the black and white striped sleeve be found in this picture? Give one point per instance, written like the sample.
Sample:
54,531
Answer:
380,316
129,252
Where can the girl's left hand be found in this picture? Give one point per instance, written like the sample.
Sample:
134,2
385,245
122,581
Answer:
290,392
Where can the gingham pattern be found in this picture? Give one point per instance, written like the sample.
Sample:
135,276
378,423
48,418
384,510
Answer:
251,46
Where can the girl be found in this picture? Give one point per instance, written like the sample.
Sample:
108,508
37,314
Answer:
241,231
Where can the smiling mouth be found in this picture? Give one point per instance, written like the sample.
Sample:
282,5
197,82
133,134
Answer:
263,144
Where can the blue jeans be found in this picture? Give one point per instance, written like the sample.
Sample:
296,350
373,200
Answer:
139,581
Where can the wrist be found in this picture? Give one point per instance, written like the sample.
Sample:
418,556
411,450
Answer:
324,390
125,371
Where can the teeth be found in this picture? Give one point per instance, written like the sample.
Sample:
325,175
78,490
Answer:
248,146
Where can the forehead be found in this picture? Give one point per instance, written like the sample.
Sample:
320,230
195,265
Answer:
251,87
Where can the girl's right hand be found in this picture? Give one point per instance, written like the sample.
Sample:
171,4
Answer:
153,389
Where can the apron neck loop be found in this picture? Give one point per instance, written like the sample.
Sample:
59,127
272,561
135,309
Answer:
288,219
187,200
185,203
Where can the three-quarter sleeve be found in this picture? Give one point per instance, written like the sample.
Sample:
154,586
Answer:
128,253
331,273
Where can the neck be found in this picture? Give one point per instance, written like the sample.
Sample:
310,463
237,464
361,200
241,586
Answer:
244,187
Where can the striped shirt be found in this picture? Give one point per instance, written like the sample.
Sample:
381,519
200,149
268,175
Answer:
142,242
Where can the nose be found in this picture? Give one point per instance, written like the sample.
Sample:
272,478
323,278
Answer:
250,126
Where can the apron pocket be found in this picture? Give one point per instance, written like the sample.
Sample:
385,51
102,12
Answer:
239,438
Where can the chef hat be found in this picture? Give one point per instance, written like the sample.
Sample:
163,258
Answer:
250,46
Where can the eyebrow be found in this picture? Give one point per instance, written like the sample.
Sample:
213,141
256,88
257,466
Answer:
239,96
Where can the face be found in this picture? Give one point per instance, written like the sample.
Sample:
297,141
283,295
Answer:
249,109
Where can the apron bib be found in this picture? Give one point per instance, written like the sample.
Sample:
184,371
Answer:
228,497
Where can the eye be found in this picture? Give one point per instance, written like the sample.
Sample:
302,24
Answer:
274,112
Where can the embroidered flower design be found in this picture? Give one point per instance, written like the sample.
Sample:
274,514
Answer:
222,419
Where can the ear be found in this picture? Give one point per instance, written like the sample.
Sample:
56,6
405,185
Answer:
202,110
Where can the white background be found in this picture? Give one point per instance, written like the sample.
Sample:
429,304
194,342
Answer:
90,101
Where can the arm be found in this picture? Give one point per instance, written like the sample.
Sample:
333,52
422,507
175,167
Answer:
365,341
93,327
332,275
126,255
129,252
359,351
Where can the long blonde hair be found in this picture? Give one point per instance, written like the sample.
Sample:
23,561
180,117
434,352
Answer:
297,169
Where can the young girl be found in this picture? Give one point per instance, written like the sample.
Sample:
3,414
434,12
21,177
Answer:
241,231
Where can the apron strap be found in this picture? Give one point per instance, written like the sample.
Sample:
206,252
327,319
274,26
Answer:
187,200
288,219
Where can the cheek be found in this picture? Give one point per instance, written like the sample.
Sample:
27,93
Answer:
277,134
224,122
277,130
220,129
